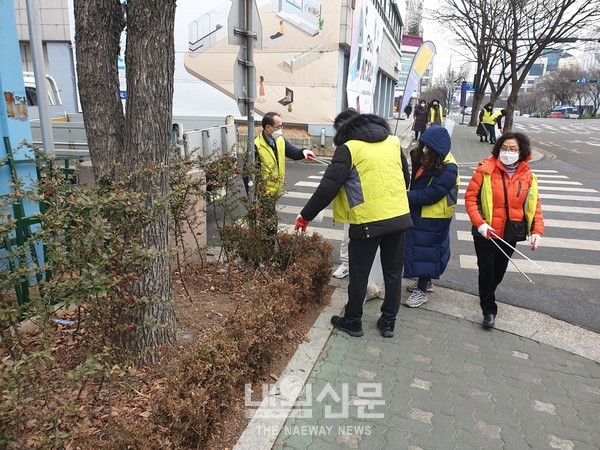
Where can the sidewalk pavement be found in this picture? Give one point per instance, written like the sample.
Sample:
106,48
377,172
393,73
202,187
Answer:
442,382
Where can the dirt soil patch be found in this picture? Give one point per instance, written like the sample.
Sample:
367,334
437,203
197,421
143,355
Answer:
210,295
214,295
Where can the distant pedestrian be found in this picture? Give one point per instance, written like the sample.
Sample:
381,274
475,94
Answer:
366,184
420,118
488,117
408,110
502,200
498,120
432,198
436,114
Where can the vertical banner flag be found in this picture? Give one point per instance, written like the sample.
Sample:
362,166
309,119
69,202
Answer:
463,94
419,64
367,33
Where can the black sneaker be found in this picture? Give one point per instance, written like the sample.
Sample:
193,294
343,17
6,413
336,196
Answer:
386,328
352,328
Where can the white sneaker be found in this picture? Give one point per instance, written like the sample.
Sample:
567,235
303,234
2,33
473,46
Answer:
416,299
341,272
414,286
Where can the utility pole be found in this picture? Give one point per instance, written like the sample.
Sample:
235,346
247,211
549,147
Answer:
245,30
39,71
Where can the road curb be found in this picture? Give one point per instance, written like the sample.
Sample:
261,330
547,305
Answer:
269,418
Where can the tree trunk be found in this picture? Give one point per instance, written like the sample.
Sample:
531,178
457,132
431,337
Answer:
98,27
150,65
478,94
511,105
140,139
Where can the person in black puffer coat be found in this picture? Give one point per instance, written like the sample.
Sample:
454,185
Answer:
420,118
367,181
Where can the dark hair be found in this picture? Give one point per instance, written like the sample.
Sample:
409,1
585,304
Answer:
343,116
429,160
268,119
524,145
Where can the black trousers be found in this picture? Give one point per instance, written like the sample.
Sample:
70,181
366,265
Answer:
361,253
492,131
492,267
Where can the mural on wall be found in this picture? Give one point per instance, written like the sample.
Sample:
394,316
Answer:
297,68
367,34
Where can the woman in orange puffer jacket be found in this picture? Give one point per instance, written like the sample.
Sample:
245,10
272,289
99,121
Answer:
502,184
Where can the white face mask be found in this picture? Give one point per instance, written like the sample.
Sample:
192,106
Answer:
508,159
276,134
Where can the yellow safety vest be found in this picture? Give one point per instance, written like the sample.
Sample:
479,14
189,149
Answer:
487,202
444,209
490,117
272,169
375,189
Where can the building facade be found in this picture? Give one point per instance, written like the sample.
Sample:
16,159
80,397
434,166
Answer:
56,31
302,69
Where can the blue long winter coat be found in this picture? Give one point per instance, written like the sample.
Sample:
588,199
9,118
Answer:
427,244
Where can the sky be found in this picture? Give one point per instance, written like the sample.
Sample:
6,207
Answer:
447,52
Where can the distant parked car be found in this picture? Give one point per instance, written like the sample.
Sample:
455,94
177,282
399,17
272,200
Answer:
535,114
556,115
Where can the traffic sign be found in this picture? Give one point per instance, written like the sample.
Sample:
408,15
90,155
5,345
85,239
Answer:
236,24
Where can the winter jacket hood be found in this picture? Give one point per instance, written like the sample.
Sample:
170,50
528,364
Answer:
364,127
437,139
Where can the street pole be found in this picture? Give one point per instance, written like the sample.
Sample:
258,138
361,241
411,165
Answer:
251,86
39,71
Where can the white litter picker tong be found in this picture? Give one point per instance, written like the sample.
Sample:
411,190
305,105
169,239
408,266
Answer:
510,259
319,160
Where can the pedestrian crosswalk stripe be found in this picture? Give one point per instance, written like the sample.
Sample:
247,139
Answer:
295,194
542,182
550,242
328,233
288,209
558,208
580,198
550,268
536,171
306,184
544,176
574,224
542,185
570,209
318,177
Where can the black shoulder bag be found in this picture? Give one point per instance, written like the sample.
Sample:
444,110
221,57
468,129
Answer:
513,231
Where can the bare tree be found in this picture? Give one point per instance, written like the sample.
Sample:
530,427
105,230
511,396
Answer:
530,27
531,102
592,89
138,138
559,85
517,32
444,84
471,22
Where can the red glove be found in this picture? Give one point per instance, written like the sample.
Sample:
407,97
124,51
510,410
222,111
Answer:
308,154
301,224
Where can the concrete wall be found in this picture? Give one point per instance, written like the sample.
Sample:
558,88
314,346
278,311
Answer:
54,19
57,42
